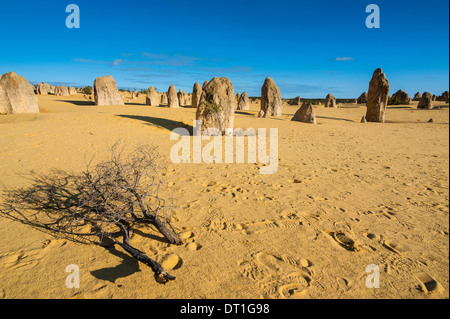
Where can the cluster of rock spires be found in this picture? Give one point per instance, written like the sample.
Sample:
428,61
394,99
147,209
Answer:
61,90
215,100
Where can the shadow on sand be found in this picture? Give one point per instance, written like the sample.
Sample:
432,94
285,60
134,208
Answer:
127,267
334,118
160,122
78,102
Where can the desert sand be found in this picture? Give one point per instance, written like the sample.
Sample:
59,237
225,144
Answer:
247,235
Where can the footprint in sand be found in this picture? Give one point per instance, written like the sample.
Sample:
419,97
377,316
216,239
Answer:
342,284
428,284
344,240
250,270
285,221
171,261
396,247
279,276
258,227
17,260
288,223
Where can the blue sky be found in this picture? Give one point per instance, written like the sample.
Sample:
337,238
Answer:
309,48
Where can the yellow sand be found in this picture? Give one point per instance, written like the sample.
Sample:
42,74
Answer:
247,235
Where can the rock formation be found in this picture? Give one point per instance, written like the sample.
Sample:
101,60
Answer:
425,101
243,103
181,98
105,91
72,90
17,95
271,102
330,101
43,88
417,96
377,98
362,99
164,98
153,98
61,90
196,94
443,97
172,98
216,106
305,114
400,97
297,101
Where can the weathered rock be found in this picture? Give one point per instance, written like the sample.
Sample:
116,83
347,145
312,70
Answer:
153,98
204,84
271,99
244,103
43,88
377,98
400,97
196,94
238,96
164,100
183,98
61,90
216,106
425,101
434,98
443,97
417,96
330,101
72,90
188,99
363,119
134,94
297,101
17,95
261,113
172,98
52,89
105,91
362,98
305,114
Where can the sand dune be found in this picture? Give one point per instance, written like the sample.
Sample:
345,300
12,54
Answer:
346,195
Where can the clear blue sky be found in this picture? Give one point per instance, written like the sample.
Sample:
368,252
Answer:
309,48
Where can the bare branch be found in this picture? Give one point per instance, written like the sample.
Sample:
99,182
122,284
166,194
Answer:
107,198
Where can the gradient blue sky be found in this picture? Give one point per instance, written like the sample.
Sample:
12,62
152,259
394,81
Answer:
300,44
